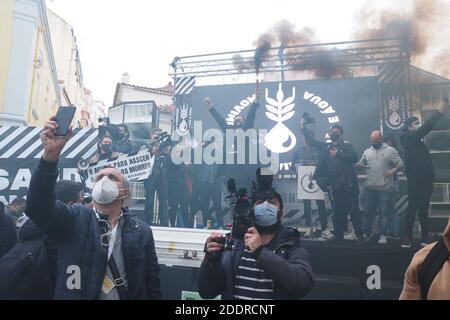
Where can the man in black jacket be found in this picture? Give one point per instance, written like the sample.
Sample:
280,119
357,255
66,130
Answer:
158,181
269,263
103,253
420,173
336,174
239,172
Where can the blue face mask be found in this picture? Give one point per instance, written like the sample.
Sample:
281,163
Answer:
266,214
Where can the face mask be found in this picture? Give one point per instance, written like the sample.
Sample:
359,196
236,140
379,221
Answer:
106,147
105,191
266,214
335,136
377,145
418,125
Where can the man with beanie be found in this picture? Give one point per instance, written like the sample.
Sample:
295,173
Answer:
420,173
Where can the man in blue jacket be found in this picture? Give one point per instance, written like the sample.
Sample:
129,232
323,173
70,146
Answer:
103,253
268,264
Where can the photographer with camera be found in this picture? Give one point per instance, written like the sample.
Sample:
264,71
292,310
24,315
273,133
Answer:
336,174
260,259
158,181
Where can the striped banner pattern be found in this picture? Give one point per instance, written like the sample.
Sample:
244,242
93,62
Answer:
184,85
25,143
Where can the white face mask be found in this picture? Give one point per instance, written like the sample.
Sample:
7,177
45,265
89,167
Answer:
105,191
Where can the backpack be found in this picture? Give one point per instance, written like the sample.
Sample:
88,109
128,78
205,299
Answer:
24,272
431,266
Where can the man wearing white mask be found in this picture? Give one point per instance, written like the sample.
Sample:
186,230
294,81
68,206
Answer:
268,264
104,253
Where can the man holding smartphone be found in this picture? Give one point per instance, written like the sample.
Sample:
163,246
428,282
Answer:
336,173
382,163
420,173
104,252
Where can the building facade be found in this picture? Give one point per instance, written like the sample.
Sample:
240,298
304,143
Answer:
133,105
40,67
29,89
68,66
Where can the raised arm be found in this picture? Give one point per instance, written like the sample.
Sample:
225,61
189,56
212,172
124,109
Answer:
430,123
52,216
216,115
250,123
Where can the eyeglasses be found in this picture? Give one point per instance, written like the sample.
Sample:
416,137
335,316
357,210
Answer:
104,227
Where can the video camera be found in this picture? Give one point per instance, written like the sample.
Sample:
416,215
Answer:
163,140
243,218
239,201
241,204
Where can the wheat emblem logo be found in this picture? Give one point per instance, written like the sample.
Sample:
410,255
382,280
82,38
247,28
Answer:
280,139
394,104
183,126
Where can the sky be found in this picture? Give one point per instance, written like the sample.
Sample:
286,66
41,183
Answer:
142,37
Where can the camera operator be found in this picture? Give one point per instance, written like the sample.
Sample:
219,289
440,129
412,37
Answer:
267,263
336,173
158,179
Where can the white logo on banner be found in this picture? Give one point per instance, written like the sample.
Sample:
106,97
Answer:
307,186
183,127
393,104
280,110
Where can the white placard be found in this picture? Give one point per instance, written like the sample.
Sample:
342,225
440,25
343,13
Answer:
307,188
135,167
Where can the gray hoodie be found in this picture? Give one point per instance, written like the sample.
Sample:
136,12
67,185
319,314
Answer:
380,161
